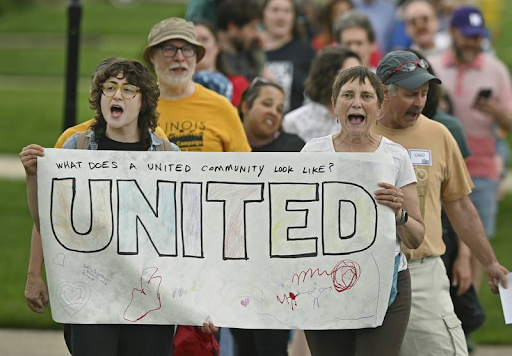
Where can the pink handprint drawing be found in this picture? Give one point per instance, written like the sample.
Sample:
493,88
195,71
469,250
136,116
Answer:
147,298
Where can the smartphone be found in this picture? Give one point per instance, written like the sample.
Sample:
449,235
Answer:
483,93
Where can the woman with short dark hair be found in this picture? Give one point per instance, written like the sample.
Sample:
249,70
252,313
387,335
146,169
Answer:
357,97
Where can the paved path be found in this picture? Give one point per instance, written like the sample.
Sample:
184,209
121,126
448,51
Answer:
11,168
22,342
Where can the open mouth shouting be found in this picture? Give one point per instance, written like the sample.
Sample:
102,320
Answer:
356,118
116,111
412,114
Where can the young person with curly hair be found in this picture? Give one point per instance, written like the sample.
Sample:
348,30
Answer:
124,97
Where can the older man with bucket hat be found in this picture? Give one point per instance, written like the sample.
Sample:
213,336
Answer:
193,117
443,179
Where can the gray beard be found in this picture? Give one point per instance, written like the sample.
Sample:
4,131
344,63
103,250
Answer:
174,81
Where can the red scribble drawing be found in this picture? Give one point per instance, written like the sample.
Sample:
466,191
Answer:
147,298
291,296
344,275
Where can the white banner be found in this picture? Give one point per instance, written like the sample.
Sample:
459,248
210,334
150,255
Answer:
245,240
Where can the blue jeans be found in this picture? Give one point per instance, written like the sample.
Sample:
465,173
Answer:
484,198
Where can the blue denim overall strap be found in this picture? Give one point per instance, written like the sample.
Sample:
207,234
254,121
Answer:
394,289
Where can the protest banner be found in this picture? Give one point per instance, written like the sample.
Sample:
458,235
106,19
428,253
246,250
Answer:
246,240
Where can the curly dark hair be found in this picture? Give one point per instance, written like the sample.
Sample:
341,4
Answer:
324,69
136,74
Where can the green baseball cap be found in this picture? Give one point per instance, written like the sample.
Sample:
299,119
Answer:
404,69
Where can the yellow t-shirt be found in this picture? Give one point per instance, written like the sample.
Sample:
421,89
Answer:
204,121
441,174
84,126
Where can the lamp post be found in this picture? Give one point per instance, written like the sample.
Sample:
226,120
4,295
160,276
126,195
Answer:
73,47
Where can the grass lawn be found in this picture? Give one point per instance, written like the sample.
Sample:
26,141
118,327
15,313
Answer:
494,330
21,61
15,245
41,127
98,17
33,42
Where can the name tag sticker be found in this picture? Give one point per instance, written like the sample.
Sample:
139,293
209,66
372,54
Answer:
421,157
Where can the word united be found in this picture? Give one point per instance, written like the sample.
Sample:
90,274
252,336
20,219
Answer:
175,221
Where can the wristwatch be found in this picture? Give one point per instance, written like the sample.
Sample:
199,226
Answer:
403,218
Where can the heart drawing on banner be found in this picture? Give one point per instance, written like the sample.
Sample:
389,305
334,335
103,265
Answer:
245,302
59,259
73,296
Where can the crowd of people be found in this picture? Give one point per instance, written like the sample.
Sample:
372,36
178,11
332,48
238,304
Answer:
418,80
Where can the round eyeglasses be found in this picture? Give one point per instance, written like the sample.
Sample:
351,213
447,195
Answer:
170,50
409,66
128,91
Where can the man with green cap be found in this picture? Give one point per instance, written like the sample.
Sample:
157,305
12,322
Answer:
443,179
193,117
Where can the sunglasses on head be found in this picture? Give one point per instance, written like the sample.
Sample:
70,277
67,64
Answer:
409,66
258,81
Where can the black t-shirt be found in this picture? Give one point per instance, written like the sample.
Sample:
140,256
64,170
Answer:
290,67
106,143
285,142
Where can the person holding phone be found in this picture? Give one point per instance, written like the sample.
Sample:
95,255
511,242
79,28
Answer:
483,94
480,89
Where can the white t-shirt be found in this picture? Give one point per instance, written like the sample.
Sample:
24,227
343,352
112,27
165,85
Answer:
404,171
310,121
